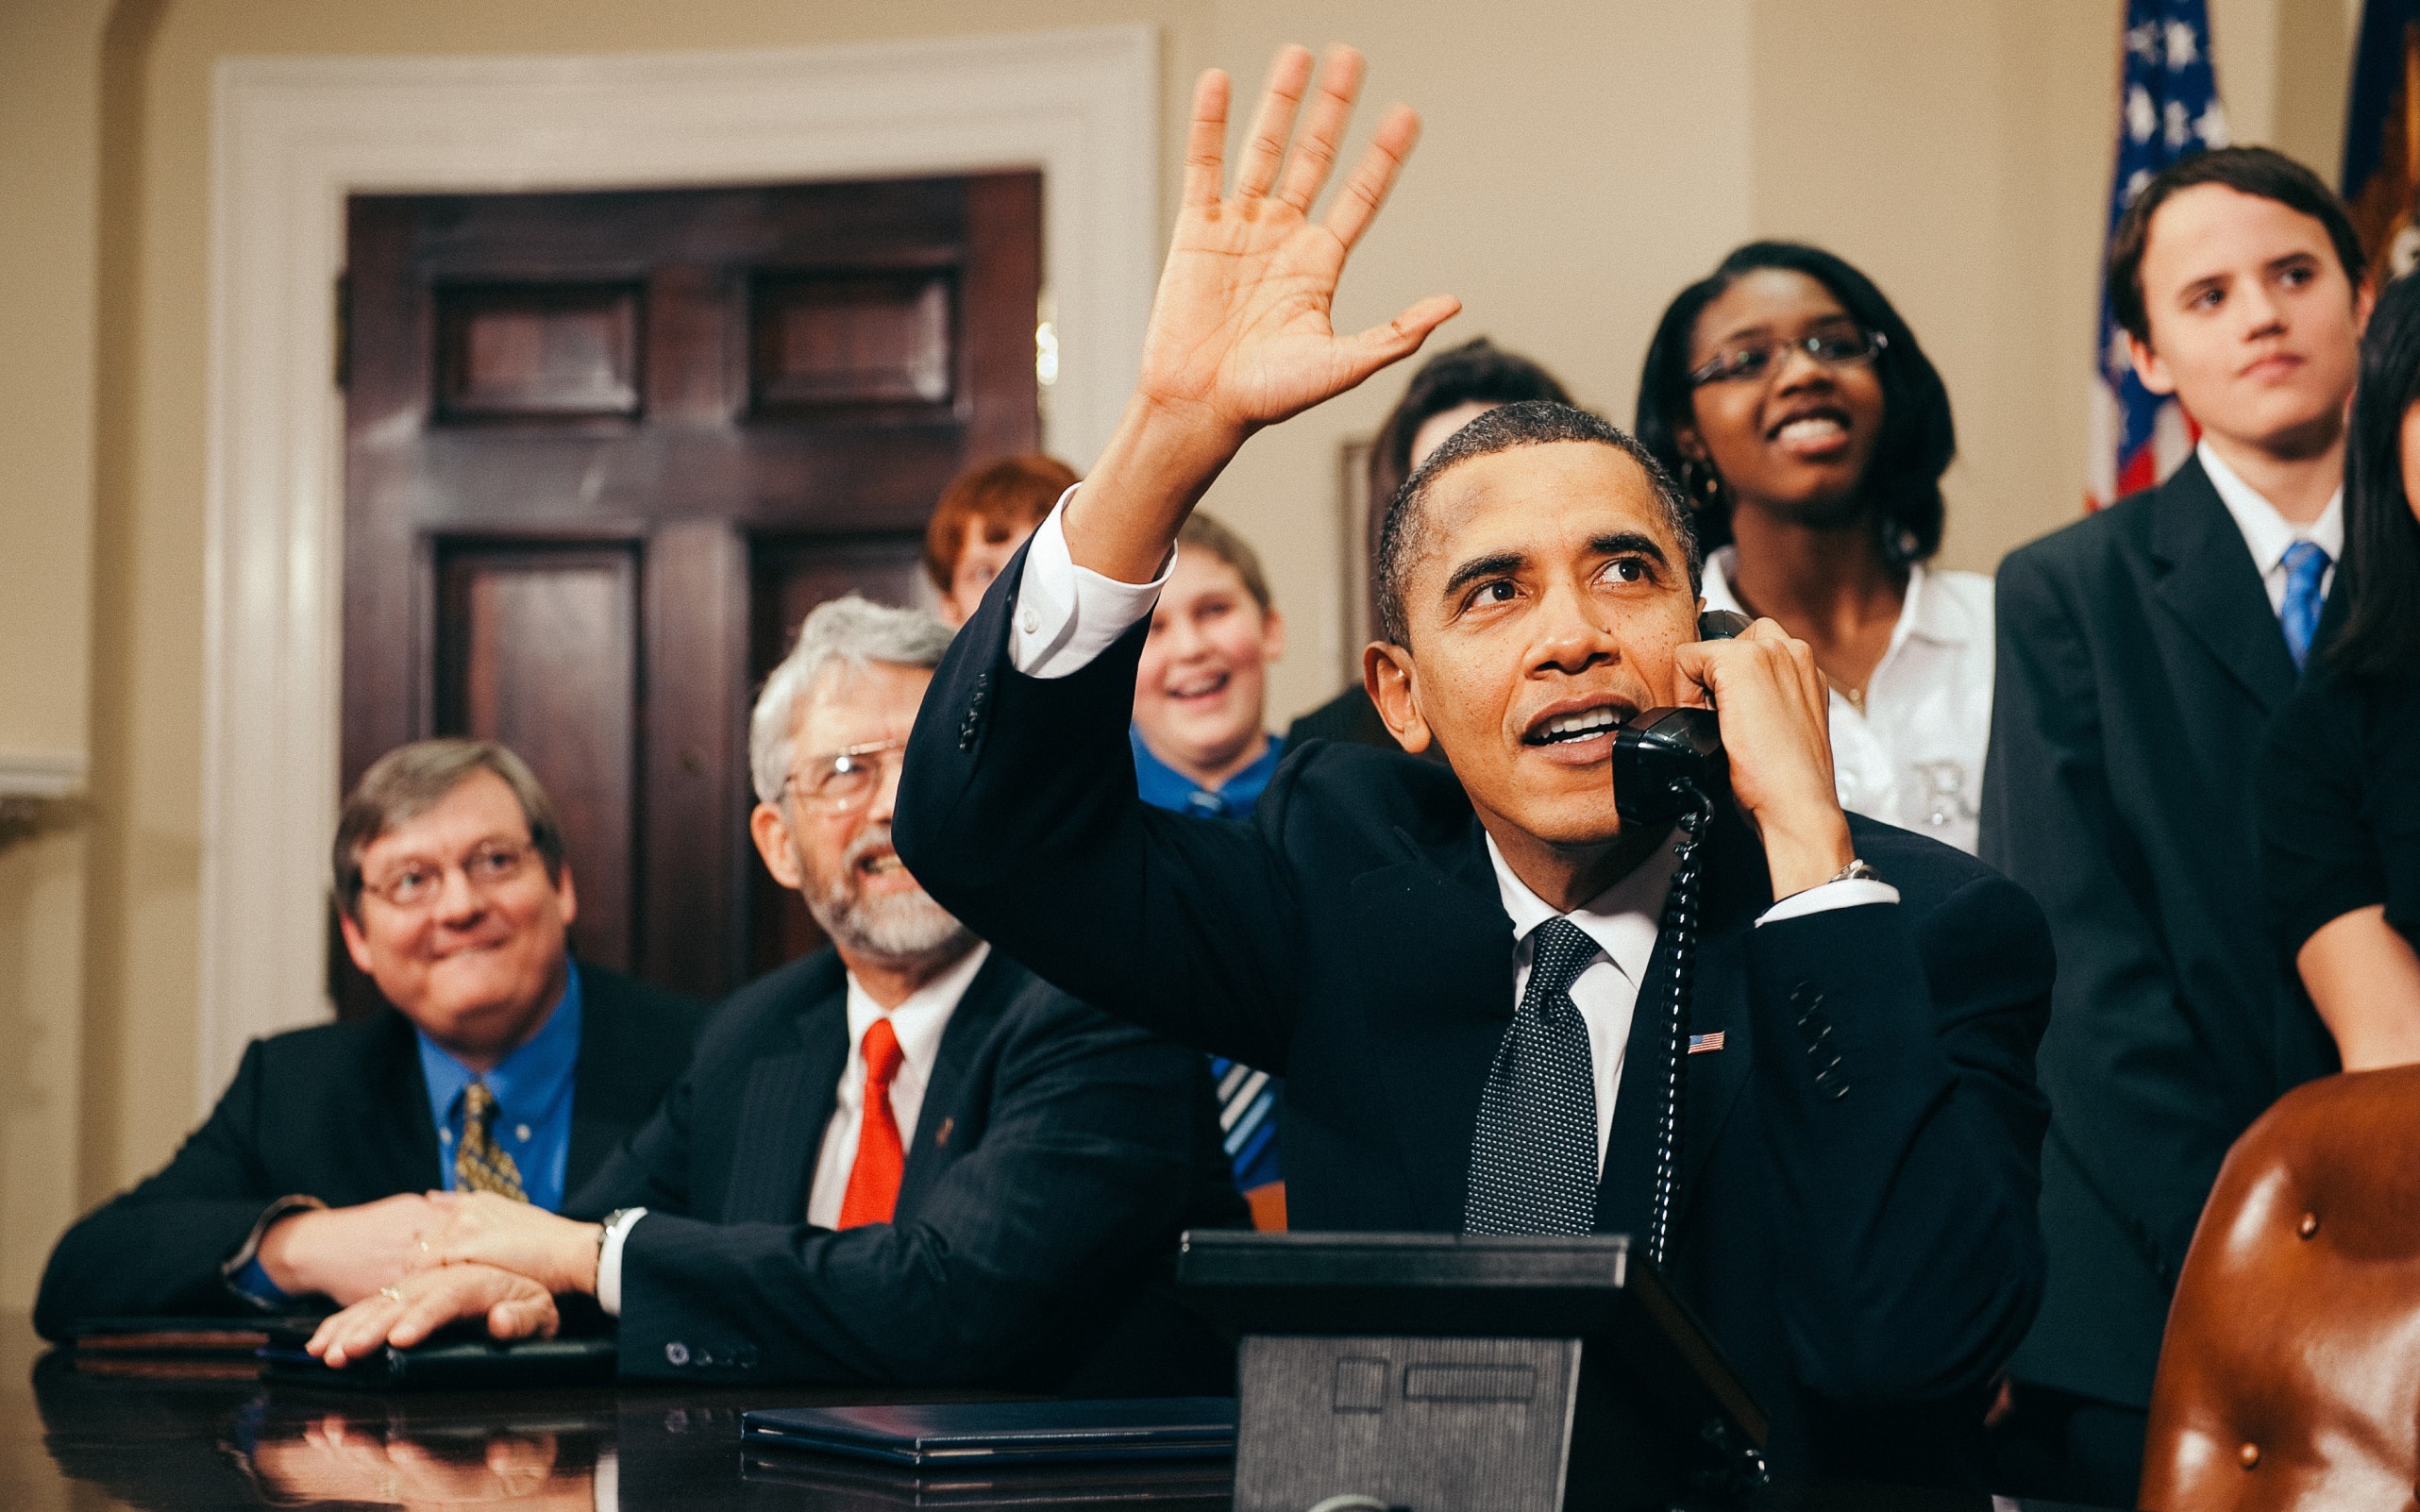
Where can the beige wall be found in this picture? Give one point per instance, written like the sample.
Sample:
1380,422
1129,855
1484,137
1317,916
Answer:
1582,162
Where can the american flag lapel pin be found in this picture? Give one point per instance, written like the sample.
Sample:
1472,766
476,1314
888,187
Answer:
1707,1044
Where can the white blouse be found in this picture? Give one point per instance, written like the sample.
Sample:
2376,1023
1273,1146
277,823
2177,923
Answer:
1913,756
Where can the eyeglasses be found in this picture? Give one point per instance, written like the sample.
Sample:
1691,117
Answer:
845,778
415,885
1755,361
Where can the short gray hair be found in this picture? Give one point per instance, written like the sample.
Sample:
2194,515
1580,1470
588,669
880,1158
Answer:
853,632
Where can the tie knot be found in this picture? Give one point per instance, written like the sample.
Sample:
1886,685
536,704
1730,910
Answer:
1560,950
2305,562
882,1052
479,1104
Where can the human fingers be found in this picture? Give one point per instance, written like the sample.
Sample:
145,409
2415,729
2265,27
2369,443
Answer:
1323,128
356,1332
1205,141
1399,338
1289,74
1364,190
532,1316
457,1293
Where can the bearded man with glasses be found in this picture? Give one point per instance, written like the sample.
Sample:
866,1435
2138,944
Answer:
502,1065
903,1159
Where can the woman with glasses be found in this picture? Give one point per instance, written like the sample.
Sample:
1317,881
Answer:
1797,409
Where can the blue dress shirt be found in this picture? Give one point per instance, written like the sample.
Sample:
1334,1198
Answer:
532,1089
1248,1100
1163,786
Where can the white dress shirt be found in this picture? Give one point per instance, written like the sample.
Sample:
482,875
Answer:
1913,755
2268,534
1066,615
920,1022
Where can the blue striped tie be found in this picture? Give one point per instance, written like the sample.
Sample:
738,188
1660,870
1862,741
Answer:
2306,569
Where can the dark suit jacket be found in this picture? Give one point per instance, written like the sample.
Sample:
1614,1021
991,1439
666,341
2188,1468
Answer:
1057,1155
1868,1260
2139,661
1348,716
341,1113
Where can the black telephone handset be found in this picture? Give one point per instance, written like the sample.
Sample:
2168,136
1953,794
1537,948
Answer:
1660,754
1668,765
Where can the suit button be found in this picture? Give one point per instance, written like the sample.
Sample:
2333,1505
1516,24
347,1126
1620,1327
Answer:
677,1353
1029,622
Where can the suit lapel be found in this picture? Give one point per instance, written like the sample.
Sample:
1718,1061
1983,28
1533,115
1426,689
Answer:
1436,955
2208,582
409,1160
937,1124
605,1056
784,1109
1737,887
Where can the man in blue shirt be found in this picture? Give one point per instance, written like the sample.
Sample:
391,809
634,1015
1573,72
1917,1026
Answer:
502,1067
1201,747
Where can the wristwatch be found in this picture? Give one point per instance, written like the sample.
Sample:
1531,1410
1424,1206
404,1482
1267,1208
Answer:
1854,871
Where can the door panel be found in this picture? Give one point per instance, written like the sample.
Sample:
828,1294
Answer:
604,449
538,650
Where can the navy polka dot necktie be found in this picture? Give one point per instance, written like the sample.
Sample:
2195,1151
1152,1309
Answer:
1534,1161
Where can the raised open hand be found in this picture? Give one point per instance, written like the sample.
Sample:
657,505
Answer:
1240,327
1240,335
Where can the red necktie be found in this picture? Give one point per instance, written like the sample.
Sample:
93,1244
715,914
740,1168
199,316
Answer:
874,1180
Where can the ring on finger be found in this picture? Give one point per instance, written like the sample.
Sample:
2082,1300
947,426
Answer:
392,1293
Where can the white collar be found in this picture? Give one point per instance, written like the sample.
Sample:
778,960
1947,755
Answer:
1926,613
921,1019
2267,532
1623,919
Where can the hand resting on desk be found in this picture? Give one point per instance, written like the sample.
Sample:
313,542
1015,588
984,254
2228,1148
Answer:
405,1314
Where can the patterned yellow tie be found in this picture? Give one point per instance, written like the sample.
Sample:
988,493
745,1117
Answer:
478,1165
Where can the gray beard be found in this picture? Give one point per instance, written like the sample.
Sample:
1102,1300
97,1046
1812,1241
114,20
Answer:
902,930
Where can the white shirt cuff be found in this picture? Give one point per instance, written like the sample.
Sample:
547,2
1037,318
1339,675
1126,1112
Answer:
609,1261
1855,892
1066,615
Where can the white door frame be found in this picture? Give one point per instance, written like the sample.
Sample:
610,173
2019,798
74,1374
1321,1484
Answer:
291,138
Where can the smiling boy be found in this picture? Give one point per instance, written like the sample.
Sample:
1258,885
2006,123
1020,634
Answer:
1202,743
2140,652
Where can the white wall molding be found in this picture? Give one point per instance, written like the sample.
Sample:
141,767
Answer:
292,137
42,776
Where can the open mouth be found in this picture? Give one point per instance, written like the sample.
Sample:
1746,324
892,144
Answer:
878,864
1204,685
1807,432
1570,727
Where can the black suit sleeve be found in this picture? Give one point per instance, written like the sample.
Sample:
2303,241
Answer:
1019,812
2152,1131
157,1248
1895,1067
1081,1166
2319,856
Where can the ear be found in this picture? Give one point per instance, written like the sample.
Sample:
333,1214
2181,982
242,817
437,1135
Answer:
1272,634
1387,673
1692,445
356,945
771,832
566,890
2148,366
2364,301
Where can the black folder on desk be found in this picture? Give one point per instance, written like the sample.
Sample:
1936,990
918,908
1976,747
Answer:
454,1359
1002,1433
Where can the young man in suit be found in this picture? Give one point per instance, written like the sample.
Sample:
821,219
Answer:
2141,652
1460,972
502,1065
903,1160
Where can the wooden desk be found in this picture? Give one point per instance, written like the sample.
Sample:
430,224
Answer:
215,1438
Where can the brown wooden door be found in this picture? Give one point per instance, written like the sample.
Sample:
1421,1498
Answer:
604,450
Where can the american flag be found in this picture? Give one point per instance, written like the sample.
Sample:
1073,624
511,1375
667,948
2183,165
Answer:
2167,109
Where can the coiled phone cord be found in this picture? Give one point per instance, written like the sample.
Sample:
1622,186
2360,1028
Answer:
1680,930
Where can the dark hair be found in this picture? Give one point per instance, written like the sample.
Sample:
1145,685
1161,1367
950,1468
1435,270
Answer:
1530,423
2380,574
2263,173
1476,372
410,780
1904,479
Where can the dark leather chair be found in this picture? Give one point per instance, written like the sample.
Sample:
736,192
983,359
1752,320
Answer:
2289,1376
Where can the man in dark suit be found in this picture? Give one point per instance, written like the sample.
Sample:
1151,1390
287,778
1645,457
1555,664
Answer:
2141,652
501,1064
1462,973
901,1159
